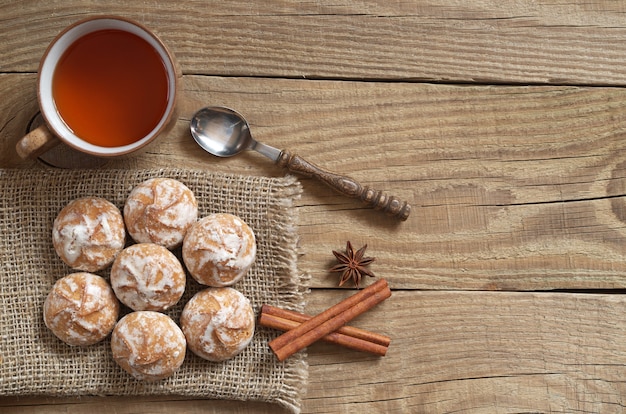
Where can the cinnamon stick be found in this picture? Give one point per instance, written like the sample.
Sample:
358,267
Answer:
330,320
296,318
347,341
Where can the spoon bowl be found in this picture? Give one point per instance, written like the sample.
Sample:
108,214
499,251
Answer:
224,132
221,131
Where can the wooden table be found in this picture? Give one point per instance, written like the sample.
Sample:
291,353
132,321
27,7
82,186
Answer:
502,122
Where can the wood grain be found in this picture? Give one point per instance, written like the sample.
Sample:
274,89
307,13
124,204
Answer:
501,122
513,188
485,41
479,351
450,351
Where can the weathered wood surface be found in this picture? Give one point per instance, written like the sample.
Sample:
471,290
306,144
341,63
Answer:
485,41
502,123
451,352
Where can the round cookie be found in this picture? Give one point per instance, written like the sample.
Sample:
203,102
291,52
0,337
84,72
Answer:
81,309
147,276
160,210
218,323
88,233
219,249
148,345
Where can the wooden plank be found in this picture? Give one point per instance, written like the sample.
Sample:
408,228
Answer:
513,188
479,352
486,41
450,351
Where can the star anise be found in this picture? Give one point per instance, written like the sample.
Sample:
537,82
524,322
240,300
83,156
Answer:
352,265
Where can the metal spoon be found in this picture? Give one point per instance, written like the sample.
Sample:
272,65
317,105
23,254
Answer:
224,132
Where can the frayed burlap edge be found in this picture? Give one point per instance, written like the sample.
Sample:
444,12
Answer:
297,377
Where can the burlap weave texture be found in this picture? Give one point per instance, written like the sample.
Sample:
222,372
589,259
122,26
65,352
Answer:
35,362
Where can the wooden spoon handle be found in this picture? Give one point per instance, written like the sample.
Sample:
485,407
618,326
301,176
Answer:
346,186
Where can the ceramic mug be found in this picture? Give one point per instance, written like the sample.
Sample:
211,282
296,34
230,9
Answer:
107,86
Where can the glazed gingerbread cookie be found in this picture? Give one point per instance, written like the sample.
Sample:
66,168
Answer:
218,323
81,309
148,345
219,249
88,233
160,210
147,276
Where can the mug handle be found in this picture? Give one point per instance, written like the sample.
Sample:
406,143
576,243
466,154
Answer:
36,142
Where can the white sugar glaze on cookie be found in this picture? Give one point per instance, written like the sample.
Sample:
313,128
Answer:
160,210
218,323
148,345
81,309
88,233
219,249
147,276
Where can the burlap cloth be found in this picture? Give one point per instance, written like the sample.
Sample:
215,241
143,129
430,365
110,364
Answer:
34,362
